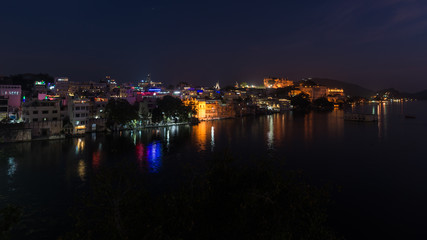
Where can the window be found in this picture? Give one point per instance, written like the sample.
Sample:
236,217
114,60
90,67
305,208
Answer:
45,112
54,119
55,111
77,114
35,119
35,112
77,108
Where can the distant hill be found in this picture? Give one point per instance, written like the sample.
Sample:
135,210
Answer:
349,88
421,95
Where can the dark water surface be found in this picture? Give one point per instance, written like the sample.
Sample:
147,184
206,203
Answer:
378,170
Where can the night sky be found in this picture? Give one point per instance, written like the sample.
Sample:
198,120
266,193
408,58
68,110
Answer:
376,44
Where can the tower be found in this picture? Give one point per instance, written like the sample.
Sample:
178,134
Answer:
217,86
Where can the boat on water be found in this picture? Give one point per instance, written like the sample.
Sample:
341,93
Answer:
358,117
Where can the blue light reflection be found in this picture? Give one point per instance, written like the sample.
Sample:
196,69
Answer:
154,157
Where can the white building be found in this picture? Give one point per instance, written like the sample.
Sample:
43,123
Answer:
39,111
79,112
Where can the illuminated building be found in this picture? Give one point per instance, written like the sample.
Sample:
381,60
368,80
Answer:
336,95
43,117
199,106
39,111
336,91
4,109
79,111
97,110
189,93
86,88
277,82
215,109
147,83
60,80
231,95
273,104
284,104
314,92
211,109
294,92
12,93
62,86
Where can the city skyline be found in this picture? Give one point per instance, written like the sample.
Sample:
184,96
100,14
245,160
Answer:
373,44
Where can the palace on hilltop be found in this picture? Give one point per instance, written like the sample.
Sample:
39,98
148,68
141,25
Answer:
277,82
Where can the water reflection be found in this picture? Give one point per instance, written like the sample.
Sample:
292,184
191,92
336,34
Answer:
81,170
154,157
80,145
199,134
167,139
149,157
139,151
212,138
336,123
12,167
270,133
308,127
96,159
382,120
11,170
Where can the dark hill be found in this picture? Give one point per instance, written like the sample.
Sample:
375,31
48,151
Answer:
421,95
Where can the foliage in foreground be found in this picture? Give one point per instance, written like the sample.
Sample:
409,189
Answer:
223,202
119,111
171,109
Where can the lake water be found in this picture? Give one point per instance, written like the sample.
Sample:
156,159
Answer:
377,170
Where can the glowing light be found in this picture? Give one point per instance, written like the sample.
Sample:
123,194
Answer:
212,138
96,159
154,154
167,139
270,134
80,146
154,89
12,167
139,151
81,169
40,83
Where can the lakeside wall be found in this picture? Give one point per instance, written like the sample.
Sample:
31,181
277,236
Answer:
17,133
